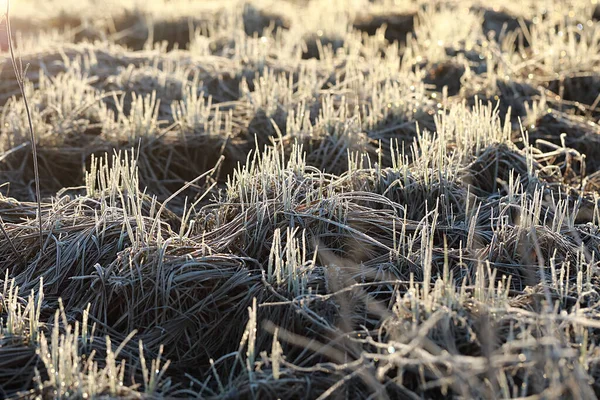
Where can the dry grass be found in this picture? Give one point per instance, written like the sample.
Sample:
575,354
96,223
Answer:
363,199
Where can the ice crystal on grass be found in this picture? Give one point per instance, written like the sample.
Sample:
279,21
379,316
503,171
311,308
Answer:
260,199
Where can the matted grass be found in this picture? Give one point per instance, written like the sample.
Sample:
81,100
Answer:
260,199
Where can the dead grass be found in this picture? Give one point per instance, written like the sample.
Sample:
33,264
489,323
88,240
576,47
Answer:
265,199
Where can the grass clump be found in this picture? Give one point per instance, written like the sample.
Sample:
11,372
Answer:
301,200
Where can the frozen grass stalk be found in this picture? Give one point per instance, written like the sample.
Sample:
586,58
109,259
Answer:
20,78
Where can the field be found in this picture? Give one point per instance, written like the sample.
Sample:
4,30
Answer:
344,199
